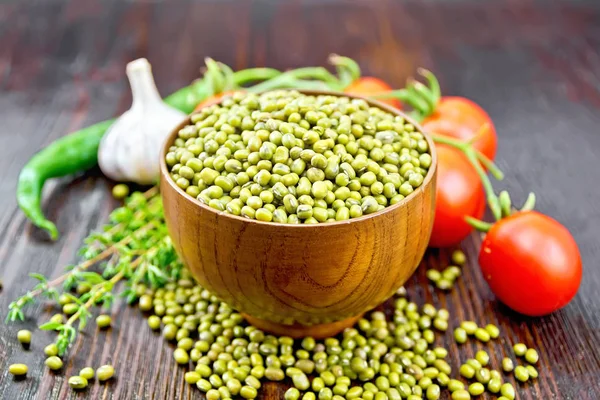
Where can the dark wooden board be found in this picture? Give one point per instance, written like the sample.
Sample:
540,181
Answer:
533,65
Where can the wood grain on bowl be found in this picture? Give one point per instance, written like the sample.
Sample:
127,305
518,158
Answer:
296,276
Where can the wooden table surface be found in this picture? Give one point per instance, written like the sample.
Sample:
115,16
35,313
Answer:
533,65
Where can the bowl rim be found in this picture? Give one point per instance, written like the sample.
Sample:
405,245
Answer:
166,179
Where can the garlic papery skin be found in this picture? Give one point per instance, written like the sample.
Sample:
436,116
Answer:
130,149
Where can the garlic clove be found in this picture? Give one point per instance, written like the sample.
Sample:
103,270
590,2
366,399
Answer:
130,149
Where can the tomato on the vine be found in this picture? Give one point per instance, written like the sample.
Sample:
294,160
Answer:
459,193
462,119
370,86
531,263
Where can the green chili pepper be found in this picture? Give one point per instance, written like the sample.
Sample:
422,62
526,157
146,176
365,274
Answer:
70,154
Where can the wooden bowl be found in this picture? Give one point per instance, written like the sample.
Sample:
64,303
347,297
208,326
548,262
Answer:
301,280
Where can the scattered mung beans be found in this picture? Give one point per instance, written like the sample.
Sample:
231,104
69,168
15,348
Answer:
120,191
531,356
461,395
105,372
532,371
493,331
78,382
494,385
103,321
54,363
18,369
482,335
507,390
521,373
476,389
460,335
469,326
507,364
520,349
482,357
390,360
458,257
51,350
88,373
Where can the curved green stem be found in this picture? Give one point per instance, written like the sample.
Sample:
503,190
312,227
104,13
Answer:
228,75
250,75
529,203
214,76
471,155
505,203
298,78
425,93
347,69
434,84
318,73
490,166
481,226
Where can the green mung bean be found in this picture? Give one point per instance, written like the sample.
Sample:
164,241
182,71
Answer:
521,373
520,349
24,337
482,357
532,371
476,389
461,395
494,385
467,371
103,321
531,356
460,335
469,326
507,390
493,331
483,375
507,364
105,372
482,335
455,385
88,373
54,363
458,257
78,382
51,350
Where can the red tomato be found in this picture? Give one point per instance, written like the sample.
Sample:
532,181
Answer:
368,86
213,99
462,119
531,263
458,193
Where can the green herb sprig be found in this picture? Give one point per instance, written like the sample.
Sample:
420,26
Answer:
133,248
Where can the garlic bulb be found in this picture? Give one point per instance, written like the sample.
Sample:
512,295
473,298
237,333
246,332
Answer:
130,149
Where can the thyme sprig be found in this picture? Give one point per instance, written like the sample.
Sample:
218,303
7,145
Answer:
134,249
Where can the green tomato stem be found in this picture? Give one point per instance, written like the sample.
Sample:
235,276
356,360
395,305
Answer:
425,93
505,203
250,75
298,79
433,83
347,69
407,96
471,153
228,74
481,226
214,76
529,203
490,166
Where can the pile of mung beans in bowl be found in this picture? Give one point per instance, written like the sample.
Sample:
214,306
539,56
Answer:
293,158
